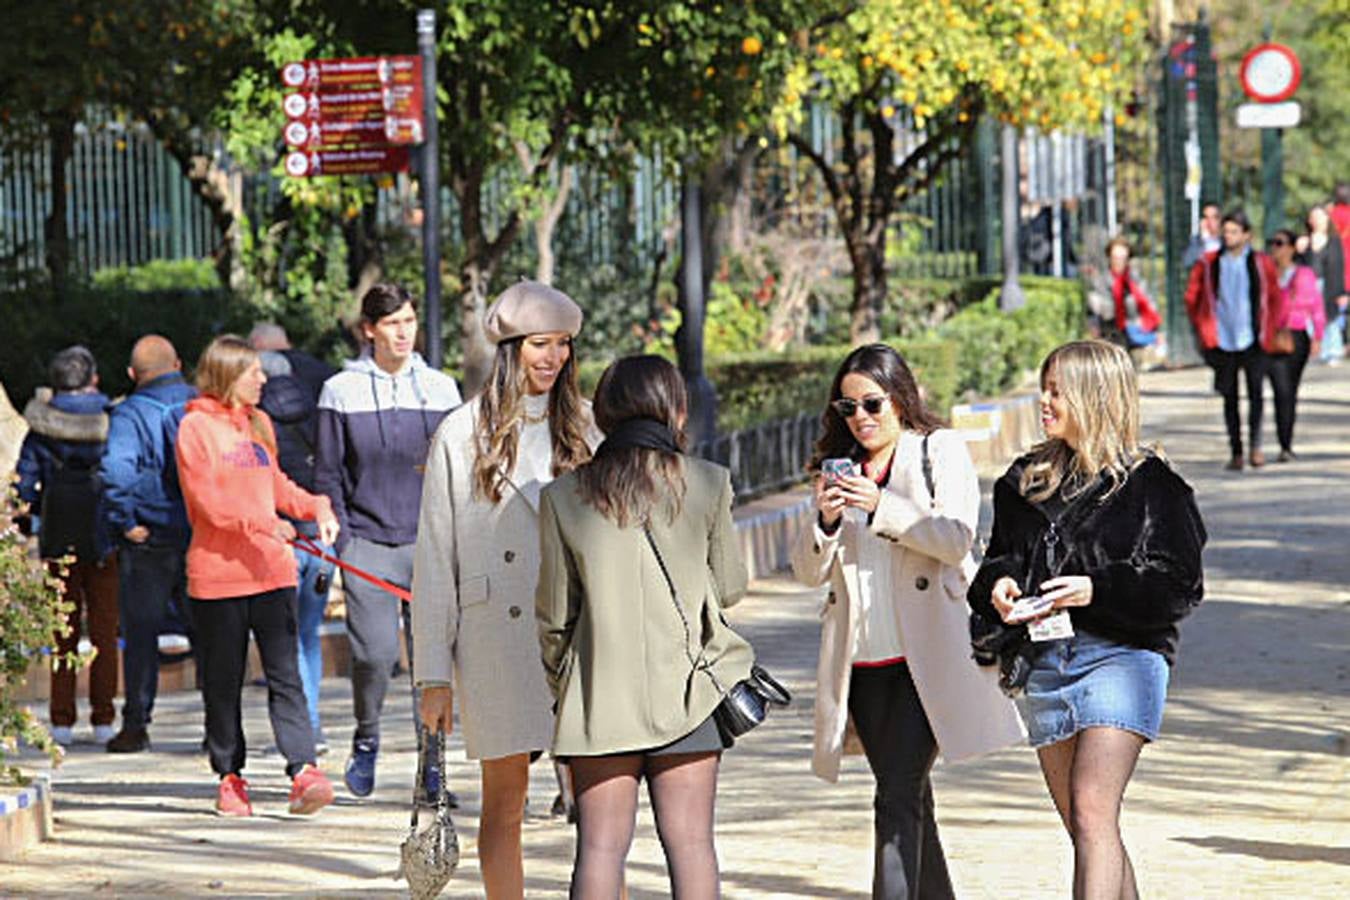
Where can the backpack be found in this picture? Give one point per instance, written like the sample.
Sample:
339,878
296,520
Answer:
69,511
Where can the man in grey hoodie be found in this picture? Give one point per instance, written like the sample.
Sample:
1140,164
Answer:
375,424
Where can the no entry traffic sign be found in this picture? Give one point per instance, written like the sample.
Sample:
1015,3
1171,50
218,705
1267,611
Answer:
1270,73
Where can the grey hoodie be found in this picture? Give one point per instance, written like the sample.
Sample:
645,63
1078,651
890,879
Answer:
374,432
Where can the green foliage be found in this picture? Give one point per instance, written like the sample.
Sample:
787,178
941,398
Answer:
760,387
39,322
159,275
32,611
734,323
995,349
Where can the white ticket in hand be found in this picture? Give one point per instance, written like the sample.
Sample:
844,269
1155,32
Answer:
1051,628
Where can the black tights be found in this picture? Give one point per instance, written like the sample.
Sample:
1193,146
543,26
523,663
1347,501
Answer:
682,788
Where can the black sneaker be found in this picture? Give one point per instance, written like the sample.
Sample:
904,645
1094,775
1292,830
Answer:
129,740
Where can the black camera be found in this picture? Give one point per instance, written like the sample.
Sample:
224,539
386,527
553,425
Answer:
1010,647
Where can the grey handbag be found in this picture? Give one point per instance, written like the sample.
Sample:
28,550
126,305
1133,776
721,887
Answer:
428,858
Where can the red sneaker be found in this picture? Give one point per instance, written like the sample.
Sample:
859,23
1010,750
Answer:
232,799
311,791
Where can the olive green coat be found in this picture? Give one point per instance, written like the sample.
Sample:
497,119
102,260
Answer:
613,644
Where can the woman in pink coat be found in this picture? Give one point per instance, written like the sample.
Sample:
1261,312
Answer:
1305,318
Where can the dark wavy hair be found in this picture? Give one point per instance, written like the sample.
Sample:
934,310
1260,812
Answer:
626,485
883,365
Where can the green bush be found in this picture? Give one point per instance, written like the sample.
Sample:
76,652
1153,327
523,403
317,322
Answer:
39,322
32,609
160,275
995,348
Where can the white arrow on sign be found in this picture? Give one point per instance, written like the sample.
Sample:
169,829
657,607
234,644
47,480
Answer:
1269,115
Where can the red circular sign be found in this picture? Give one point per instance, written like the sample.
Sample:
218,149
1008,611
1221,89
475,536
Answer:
1270,73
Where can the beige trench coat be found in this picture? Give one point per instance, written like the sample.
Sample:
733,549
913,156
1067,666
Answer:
930,568
612,641
474,577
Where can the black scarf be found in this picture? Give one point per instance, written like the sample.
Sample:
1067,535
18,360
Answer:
646,434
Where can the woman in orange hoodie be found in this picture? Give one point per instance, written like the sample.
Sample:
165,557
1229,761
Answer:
241,572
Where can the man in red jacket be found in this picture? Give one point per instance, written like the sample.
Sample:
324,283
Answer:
1233,300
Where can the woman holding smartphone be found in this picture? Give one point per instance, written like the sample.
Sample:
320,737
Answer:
894,526
1110,535
477,559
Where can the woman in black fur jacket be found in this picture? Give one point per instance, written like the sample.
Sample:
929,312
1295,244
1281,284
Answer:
1109,539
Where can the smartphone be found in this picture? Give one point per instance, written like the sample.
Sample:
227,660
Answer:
1029,608
837,467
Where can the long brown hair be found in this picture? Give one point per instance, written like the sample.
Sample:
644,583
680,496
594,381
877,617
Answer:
222,363
885,366
1100,389
627,484
501,413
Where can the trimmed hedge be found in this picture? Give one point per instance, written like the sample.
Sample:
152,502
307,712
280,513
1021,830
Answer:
978,352
759,387
107,321
996,348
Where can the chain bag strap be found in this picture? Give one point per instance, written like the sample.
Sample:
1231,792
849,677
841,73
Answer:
747,703
429,857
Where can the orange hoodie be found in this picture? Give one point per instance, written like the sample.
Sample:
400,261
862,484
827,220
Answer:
233,489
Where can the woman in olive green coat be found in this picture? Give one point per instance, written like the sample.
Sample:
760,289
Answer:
636,662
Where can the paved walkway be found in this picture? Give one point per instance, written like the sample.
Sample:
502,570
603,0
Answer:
1246,794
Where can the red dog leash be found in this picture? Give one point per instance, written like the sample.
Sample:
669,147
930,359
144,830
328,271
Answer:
308,545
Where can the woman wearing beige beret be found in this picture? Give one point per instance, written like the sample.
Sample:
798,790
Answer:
477,558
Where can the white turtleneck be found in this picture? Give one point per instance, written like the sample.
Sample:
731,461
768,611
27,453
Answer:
534,453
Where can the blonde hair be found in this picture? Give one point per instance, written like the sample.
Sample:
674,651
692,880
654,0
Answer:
501,413
221,365
1100,389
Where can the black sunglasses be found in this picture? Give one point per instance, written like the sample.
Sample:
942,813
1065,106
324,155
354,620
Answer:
847,406
1278,242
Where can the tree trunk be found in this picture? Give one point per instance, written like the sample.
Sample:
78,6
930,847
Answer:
547,224
869,289
56,236
475,350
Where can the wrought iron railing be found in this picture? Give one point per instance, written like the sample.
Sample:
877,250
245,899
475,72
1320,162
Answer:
767,457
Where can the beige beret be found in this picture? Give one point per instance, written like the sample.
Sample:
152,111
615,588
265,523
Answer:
531,307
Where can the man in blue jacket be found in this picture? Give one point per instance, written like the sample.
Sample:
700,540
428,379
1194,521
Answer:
145,510
58,478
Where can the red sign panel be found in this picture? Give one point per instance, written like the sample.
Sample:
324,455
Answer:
300,164
352,73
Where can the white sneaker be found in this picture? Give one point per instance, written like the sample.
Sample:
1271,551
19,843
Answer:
63,735
104,733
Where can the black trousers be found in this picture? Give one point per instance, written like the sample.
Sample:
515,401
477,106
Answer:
1226,364
1286,372
909,863
152,583
223,628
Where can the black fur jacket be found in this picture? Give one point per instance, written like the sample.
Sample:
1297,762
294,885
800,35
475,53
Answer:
1141,546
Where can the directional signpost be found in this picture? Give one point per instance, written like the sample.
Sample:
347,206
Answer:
1270,75
352,116
361,116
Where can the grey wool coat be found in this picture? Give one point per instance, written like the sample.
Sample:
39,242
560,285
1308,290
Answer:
474,577
612,641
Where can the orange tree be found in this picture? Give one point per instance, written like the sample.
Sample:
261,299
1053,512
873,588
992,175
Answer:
1047,64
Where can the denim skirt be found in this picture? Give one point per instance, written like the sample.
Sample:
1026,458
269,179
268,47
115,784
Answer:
1086,681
